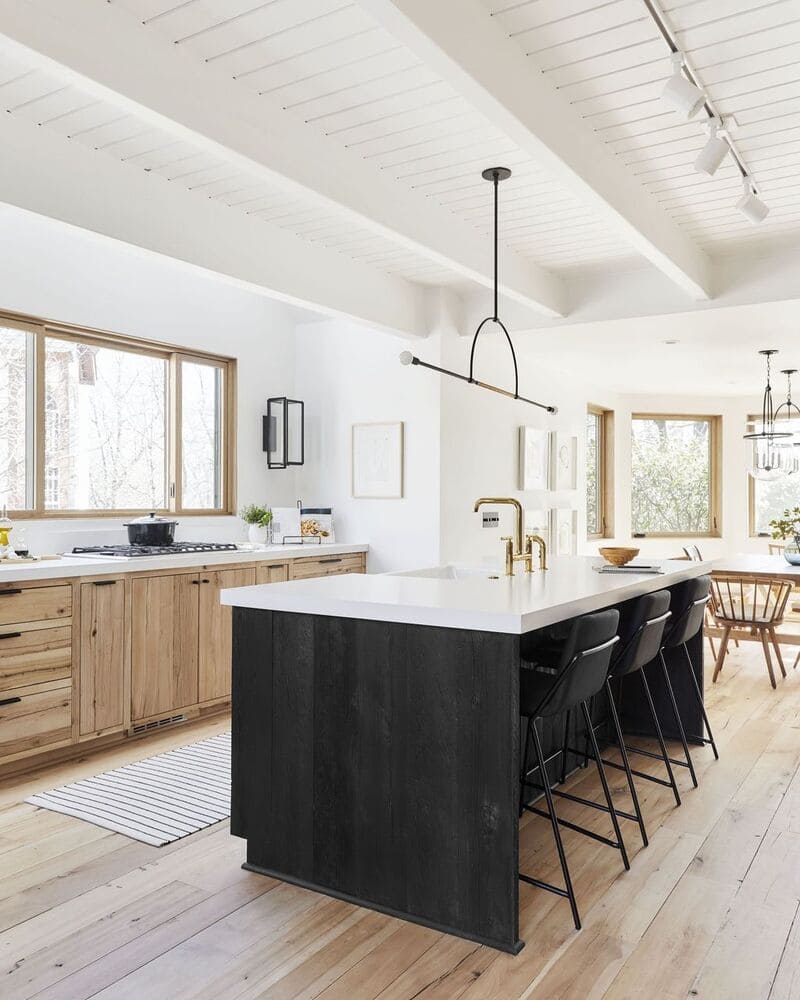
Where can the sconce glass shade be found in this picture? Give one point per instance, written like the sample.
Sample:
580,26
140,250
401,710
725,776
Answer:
284,432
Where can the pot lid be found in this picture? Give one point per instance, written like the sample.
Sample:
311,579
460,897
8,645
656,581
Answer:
151,519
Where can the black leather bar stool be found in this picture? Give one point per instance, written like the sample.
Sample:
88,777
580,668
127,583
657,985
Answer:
641,633
689,600
553,687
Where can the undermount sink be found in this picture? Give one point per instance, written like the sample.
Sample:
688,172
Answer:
452,571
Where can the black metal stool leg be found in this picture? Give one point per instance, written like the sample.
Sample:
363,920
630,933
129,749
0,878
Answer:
604,782
564,745
554,822
626,763
677,714
660,737
699,694
524,769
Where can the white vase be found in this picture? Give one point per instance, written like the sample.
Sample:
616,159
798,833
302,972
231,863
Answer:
258,534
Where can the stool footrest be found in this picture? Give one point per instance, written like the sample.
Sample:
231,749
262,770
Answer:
639,774
544,885
655,756
574,826
582,801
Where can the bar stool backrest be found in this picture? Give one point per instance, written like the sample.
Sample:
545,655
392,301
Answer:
693,553
749,601
584,662
641,632
688,607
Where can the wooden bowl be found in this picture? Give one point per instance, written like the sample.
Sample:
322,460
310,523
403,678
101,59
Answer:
618,556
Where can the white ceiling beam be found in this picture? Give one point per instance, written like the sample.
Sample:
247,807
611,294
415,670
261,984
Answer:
468,48
41,173
108,52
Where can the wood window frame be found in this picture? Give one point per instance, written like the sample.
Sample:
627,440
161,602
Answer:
173,355
605,472
715,473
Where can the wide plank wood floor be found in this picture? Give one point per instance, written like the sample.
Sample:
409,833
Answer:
709,910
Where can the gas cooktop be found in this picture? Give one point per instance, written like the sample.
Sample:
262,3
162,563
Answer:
140,551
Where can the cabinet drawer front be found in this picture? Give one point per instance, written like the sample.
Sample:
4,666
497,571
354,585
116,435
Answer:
33,657
34,604
33,718
303,569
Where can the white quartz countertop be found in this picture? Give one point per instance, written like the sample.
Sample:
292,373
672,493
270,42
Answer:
515,605
12,571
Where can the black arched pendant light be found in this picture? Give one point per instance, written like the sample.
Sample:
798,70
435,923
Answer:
495,175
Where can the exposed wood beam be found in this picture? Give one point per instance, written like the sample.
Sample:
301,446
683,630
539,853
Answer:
460,41
108,52
42,173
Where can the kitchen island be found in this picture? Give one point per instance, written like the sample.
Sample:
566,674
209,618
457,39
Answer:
376,734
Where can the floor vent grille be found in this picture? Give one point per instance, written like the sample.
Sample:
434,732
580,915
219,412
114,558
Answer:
168,720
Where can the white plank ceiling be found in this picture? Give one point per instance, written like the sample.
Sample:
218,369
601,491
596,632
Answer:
610,61
329,64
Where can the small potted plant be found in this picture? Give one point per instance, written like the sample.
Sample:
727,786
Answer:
258,519
785,527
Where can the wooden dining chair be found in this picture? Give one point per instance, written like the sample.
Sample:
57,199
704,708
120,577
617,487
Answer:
776,548
757,605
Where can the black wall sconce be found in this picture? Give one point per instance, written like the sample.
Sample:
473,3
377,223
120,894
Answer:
284,432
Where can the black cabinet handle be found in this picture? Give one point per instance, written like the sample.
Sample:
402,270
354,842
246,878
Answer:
104,583
8,593
10,635
329,561
205,581
10,701
195,583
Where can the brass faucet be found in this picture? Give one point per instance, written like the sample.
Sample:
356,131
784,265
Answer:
530,541
514,550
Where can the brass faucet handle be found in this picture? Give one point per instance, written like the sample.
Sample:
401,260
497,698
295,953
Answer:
509,541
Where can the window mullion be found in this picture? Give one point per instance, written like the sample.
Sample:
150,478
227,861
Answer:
38,422
175,499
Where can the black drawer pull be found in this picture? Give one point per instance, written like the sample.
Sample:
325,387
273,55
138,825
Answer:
321,561
11,635
195,583
205,581
8,593
10,701
104,583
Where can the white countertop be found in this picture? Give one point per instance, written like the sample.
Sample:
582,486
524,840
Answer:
12,571
518,604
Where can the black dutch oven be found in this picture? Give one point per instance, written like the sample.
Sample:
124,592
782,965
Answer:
151,530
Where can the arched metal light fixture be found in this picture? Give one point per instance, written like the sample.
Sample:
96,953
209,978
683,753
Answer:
789,422
495,175
770,457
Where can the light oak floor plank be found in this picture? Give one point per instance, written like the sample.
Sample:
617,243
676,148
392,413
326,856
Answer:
710,909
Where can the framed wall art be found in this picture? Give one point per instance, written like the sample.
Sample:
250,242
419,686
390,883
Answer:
377,461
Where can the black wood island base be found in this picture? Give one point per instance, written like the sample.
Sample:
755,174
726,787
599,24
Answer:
378,762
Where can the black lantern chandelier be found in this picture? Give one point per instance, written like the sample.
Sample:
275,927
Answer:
495,175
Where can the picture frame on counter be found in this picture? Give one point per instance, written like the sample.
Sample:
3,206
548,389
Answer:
377,458
534,458
563,461
564,531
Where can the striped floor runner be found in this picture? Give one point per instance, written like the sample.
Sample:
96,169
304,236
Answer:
156,800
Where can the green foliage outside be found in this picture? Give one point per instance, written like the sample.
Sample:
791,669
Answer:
670,475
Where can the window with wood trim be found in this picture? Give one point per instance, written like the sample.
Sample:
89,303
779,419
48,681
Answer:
599,472
675,475
97,424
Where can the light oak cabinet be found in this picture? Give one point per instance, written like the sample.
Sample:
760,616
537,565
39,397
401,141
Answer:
214,660
272,573
308,568
102,656
164,644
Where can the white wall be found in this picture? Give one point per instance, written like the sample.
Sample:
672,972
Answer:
349,374
53,271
